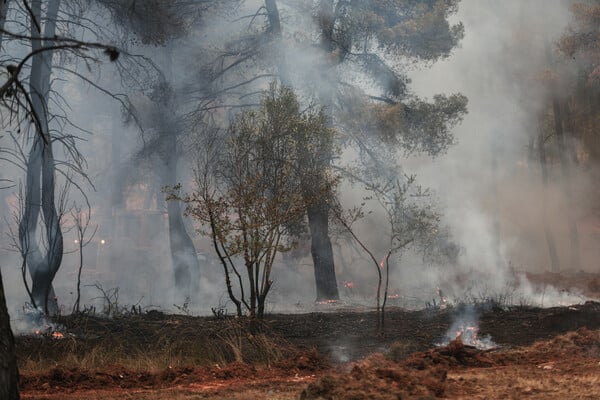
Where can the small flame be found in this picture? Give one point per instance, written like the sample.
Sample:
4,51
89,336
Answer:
57,335
468,334
349,285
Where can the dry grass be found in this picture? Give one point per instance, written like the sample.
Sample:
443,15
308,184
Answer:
150,343
570,380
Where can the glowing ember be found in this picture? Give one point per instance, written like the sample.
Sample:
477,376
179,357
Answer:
349,285
49,333
331,301
393,296
57,335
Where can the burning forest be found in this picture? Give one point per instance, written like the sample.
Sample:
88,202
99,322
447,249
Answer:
299,199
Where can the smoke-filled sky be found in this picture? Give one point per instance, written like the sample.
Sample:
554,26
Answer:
489,178
484,184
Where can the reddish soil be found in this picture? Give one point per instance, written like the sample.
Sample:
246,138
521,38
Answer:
551,353
459,371
542,353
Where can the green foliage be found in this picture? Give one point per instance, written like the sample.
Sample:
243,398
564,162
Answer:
413,28
417,126
418,29
256,182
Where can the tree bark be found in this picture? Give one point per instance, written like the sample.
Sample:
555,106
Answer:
40,186
9,373
554,260
318,214
322,252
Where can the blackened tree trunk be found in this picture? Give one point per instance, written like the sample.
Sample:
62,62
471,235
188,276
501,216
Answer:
565,166
318,213
9,373
322,252
554,260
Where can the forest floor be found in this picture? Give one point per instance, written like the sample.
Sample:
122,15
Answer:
519,352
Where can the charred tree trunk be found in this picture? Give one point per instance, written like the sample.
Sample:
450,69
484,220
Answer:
318,213
9,373
565,166
3,12
322,252
40,182
554,260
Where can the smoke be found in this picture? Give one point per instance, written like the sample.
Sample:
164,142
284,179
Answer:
465,326
488,184
487,190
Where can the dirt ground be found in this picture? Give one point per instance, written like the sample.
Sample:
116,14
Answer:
336,353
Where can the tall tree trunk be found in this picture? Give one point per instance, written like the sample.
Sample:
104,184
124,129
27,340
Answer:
566,178
318,214
3,12
40,183
9,373
554,260
322,252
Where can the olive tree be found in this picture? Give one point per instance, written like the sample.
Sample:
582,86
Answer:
250,190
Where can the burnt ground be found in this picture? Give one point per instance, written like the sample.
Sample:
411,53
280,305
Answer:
354,335
155,355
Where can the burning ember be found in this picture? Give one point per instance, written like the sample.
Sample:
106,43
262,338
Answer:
466,329
468,334
326,302
49,333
